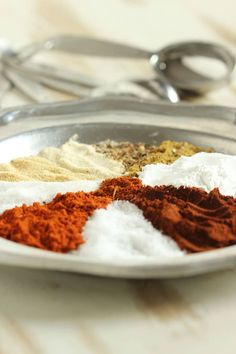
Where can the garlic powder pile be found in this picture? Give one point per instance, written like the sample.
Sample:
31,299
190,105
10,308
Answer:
203,170
120,232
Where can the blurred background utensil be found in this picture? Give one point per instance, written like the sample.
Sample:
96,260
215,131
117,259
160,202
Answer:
172,75
69,82
164,60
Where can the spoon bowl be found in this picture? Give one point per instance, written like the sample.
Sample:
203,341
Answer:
169,63
173,76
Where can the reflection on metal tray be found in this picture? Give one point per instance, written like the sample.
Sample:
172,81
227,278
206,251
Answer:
32,142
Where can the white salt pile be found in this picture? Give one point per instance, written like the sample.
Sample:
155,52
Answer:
121,232
118,232
203,170
17,193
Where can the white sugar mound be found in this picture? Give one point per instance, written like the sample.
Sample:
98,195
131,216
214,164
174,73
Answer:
203,170
17,193
121,232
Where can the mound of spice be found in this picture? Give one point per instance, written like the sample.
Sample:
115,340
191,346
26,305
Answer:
75,161
70,162
54,226
135,156
198,221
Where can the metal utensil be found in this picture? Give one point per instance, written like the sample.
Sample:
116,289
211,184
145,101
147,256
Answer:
96,105
11,77
165,61
66,81
30,88
173,75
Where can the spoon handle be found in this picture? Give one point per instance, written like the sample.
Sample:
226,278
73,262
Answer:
30,88
93,47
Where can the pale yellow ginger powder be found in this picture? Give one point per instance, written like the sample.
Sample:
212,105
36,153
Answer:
72,161
76,161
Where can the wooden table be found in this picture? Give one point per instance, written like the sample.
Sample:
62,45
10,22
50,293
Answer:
50,312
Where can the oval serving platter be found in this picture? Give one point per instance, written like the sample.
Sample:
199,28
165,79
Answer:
119,126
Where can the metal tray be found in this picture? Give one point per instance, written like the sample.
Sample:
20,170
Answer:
117,119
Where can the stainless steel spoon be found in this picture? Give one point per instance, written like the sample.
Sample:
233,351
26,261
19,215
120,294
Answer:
81,86
167,62
9,78
173,75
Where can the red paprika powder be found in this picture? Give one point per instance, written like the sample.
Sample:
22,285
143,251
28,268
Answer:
198,221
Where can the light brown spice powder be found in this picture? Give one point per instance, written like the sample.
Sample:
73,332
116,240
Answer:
135,156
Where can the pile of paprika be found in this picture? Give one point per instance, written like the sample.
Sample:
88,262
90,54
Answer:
198,221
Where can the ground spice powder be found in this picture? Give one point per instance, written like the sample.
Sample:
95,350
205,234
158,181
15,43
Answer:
198,221
134,156
55,226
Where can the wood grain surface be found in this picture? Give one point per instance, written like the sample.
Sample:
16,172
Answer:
48,312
